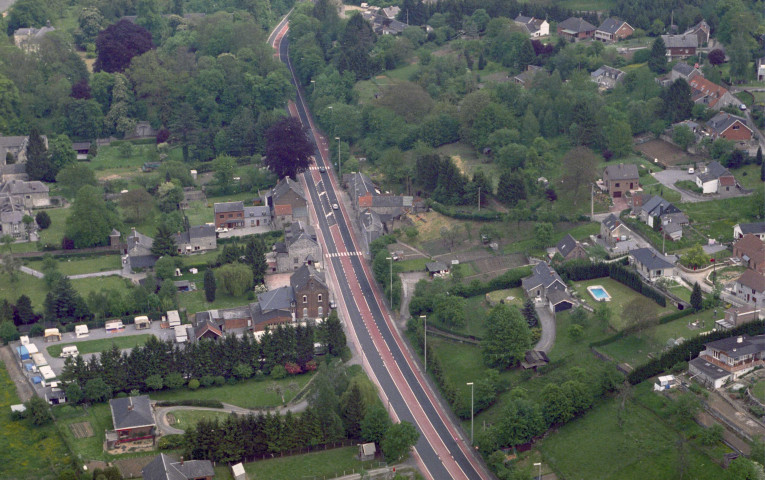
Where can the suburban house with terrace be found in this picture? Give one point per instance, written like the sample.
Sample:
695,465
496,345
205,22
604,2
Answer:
680,46
711,95
133,420
570,249
575,29
751,251
164,467
621,179
651,264
750,288
757,229
533,27
545,285
728,359
612,30
714,178
612,230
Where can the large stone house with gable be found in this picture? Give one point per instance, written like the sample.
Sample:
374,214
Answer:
287,202
299,247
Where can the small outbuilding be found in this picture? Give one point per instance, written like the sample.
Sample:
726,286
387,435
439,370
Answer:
81,331
237,470
52,335
367,451
181,334
173,318
436,268
24,339
142,322
56,396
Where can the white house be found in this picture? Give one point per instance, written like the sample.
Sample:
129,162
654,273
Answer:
756,229
714,178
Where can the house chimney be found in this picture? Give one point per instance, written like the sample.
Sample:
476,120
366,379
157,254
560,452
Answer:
181,460
130,405
740,339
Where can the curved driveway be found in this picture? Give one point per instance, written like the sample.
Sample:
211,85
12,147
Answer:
441,451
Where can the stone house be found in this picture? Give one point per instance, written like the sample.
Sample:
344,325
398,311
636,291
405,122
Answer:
299,247
751,250
545,285
728,359
287,202
28,39
701,30
612,230
16,146
711,95
750,287
198,239
570,249
14,171
11,224
654,208
137,252
684,71
32,194
607,77
257,216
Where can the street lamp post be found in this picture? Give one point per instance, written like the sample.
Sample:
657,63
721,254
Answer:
425,338
313,86
332,117
391,281
472,410
339,165
540,469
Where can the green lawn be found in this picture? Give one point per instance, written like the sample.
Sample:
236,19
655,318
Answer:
323,464
621,295
78,265
98,346
690,237
596,447
758,390
247,394
94,284
196,302
413,265
36,290
55,232
27,451
748,176
185,419
716,219
681,292
518,300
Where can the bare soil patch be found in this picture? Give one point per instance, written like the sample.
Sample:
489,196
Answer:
131,467
81,430
666,153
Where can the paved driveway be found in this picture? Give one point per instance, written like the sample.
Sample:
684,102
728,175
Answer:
547,322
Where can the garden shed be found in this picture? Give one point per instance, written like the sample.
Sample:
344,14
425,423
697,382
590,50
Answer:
142,323
52,335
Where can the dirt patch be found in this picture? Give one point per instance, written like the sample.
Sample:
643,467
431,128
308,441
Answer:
459,163
81,430
131,467
666,153
504,262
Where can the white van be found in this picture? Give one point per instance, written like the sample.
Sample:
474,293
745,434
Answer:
70,351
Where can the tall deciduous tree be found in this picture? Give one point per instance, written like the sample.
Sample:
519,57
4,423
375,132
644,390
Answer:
579,167
507,338
375,423
117,44
75,176
234,279
399,438
677,101
288,150
90,221
137,204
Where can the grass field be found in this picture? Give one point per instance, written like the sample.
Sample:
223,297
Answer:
27,451
79,265
247,394
621,295
98,346
758,390
749,176
596,447
716,219
55,232
325,464
185,419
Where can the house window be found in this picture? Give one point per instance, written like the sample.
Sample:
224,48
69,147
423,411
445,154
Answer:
321,311
305,312
617,185
230,215
296,260
658,272
222,216
305,298
736,127
319,298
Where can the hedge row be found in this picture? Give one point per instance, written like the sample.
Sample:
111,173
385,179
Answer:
585,270
687,349
481,216
663,320
509,279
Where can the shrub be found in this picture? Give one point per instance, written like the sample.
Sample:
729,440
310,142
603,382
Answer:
170,442
219,380
278,372
206,380
292,368
193,384
43,220
192,402
174,380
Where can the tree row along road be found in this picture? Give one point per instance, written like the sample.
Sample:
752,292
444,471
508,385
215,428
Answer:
441,451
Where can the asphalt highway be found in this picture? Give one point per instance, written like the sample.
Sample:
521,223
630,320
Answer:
442,452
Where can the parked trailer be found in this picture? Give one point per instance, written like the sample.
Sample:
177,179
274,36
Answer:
70,351
114,326
181,334
142,322
81,331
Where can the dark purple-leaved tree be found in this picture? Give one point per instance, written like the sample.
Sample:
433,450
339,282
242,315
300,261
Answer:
118,44
288,150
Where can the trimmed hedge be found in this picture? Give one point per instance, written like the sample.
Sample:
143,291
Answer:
170,442
509,279
691,347
481,216
674,316
192,402
585,270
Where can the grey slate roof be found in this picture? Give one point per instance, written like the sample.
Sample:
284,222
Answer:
611,222
195,232
683,68
577,25
680,41
164,467
259,211
650,258
305,273
735,349
606,71
658,206
611,25
622,171
435,267
20,187
758,227
566,245
714,172
278,299
286,184
722,121
11,217
556,296
542,274
142,261
753,280
226,207
13,169
708,369
131,412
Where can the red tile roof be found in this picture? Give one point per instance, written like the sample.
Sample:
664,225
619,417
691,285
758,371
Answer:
703,87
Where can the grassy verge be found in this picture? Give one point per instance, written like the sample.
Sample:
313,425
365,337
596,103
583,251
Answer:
597,446
27,451
55,232
247,394
326,464
689,185
97,346
80,265
185,419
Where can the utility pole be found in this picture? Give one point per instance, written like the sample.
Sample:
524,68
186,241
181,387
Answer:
425,337
592,201
479,198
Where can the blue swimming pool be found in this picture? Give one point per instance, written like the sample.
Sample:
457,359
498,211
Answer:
599,293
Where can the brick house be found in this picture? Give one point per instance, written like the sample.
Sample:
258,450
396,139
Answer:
751,250
612,30
730,127
737,316
621,179
575,29
750,287
274,307
133,420
164,467
311,293
287,202
680,46
229,215
570,249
